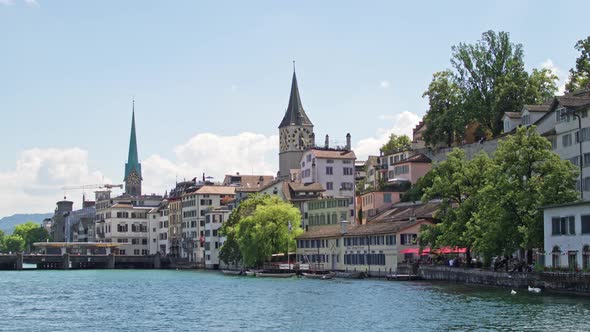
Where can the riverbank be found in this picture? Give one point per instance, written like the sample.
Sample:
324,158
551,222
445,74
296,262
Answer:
558,282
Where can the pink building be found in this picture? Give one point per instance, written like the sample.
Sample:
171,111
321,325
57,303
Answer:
410,169
374,202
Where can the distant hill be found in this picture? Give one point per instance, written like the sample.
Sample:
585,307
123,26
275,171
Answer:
7,223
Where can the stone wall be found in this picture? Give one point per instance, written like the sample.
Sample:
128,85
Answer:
440,154
554,281
481,277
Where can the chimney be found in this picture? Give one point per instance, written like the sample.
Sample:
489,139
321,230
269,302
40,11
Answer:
327,143
348,141
343,225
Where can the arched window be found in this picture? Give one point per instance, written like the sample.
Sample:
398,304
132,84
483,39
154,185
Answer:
586,257
555,255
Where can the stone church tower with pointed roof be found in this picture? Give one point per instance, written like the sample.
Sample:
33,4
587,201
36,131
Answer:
133,167
295,133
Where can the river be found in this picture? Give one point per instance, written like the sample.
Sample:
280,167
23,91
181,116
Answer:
168,300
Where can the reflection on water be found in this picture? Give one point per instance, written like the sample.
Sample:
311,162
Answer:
139,300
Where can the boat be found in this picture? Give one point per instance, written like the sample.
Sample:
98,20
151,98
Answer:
252,273
274,275
232,272
324,276
351,275
402,277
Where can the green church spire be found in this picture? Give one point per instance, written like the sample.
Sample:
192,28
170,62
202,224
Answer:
133,167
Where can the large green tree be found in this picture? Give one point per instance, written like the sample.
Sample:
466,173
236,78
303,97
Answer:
230,250
446,118
527,175
31,232
396,144
492,77
580,74
266,230
14,243
456,182
488,79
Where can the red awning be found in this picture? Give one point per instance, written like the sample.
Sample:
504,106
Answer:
415,251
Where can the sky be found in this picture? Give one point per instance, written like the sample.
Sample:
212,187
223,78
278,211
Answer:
211,80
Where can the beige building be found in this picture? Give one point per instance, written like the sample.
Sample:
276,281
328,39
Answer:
374,248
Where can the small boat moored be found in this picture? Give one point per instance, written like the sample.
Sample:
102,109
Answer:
232,272
324,276
274,275
351,275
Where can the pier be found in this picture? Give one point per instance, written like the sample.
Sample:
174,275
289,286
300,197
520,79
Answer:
69,261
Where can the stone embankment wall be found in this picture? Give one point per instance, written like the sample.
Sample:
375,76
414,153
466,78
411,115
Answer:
554,281
480,277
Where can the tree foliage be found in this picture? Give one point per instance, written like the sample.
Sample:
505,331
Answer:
492,205
31,232
446,118
266,230
230,250
396,144
580,75
488,79
13,243
258,228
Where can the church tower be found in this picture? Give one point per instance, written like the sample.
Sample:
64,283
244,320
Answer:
133,167
295,133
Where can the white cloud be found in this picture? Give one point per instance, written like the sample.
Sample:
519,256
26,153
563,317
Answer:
562,76
403,123
213,155
384,84
35,183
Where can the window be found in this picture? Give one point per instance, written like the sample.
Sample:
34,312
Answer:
586,257
408,239
405,169
526,120
572,257
346,186
563,226
122,228
330,161
574,160
347,171
136,251
566,140
586,224
329,170
329,185
387,198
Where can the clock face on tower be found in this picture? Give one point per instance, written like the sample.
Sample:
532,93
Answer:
133,178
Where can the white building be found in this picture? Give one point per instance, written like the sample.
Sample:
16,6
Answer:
567,236
158,229
214,218
124,220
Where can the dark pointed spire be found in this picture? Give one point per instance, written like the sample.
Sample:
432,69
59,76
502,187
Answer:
295,115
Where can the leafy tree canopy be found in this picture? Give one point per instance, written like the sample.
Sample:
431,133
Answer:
396,144
13,243
580,74
487,80
266,230
31,232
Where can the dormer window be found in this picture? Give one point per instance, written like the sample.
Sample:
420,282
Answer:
526,120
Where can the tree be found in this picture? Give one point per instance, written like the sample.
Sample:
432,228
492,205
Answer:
14,243
2,237
445,118
417,190
492,78
541,86
31,232
456,182
230,250
396,144
266,230
527,176
580,74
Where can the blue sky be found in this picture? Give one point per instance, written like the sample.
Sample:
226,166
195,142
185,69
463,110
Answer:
212,79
